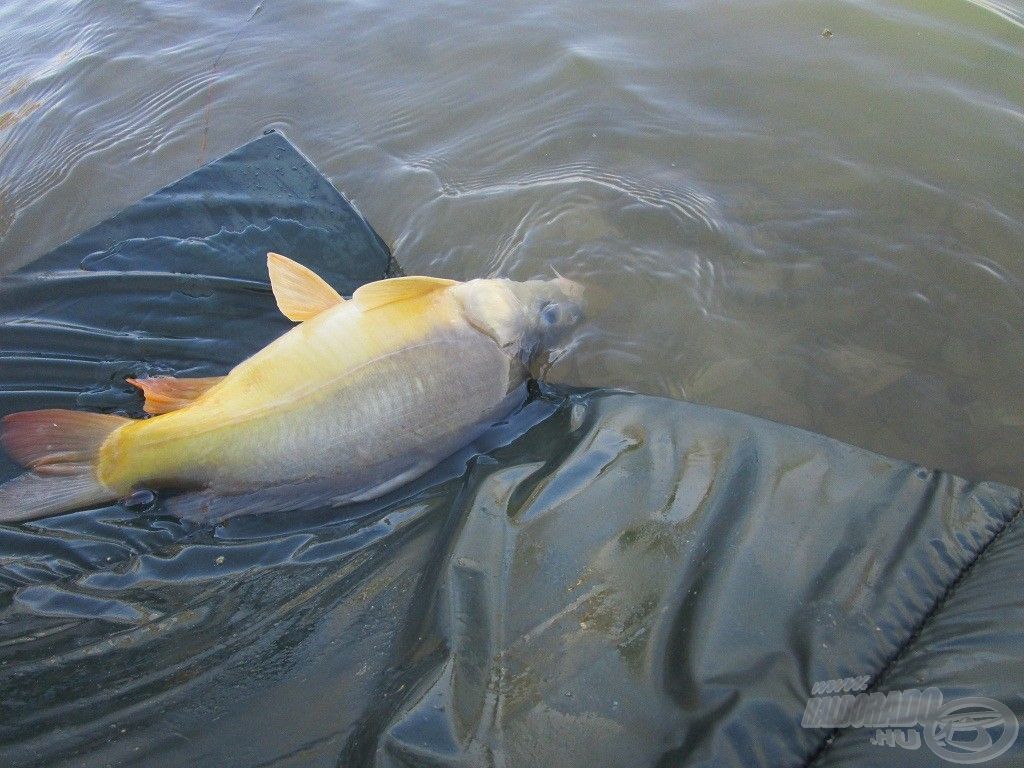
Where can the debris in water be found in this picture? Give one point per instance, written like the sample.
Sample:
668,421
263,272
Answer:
826,33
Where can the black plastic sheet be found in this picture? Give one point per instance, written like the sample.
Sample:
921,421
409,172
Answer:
607,579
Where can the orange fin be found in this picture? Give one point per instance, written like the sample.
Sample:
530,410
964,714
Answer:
167,393
56,441
300,292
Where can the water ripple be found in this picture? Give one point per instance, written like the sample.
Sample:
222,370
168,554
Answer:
1004,11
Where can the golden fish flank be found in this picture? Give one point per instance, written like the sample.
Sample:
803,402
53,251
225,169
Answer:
362,396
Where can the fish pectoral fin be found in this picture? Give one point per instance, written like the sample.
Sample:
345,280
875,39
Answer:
381,292
210,506
166,393
299,291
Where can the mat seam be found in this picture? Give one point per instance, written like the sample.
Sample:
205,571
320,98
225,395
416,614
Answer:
915,633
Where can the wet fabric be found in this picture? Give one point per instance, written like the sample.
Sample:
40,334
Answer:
606,579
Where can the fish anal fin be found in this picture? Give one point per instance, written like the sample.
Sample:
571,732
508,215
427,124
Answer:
299,291
167,393
382,292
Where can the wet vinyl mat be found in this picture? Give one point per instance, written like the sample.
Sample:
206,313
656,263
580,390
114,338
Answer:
647,580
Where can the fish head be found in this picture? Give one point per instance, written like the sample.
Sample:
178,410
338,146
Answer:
527,318
552,308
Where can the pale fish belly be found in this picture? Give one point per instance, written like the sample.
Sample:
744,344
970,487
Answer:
381,424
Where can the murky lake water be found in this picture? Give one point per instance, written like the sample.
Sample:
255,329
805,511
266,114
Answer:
822,229
825,230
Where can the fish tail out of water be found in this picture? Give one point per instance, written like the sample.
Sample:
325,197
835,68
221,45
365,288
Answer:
60,448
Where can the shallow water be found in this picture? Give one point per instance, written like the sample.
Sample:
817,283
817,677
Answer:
826,231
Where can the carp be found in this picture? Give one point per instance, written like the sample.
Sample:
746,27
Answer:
363,395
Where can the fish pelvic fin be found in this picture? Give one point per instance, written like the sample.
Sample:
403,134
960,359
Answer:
61,449
167,393
382,292
300,292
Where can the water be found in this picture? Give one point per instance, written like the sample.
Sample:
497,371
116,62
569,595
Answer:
825,231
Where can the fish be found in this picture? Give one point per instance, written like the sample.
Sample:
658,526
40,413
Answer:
363,395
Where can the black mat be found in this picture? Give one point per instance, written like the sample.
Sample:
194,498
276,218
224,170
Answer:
607,580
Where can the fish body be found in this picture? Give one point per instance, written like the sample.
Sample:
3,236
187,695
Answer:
362,396
348,393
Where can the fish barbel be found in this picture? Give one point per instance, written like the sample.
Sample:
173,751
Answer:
362,396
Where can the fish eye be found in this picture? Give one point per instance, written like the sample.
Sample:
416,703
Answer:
550,314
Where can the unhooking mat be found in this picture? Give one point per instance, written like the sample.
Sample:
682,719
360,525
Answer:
605,580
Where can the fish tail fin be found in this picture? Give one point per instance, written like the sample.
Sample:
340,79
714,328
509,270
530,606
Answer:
61,449
34,495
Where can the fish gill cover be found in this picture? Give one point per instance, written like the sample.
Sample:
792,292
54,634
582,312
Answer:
648,581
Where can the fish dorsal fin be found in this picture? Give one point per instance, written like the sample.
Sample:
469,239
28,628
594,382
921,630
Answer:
373,295
300,292
166,393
